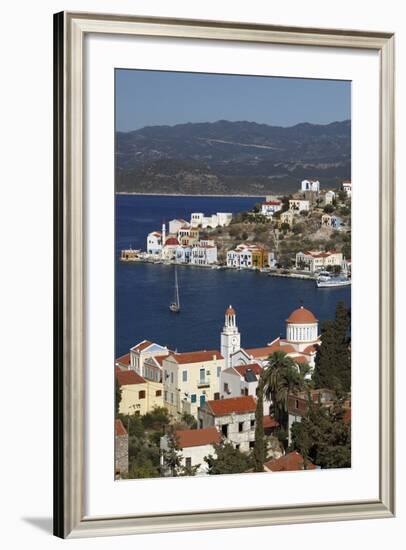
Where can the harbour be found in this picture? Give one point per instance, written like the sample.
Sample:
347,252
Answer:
144,290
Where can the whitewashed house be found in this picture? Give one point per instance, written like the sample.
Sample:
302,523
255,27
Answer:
221,219
310,185
347,187
183,254
154,243
240,257
329,197
204,253
196,219
269,208
234,418
193,446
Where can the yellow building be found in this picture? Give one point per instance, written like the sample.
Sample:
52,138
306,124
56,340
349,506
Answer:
259,257
138,395
191,379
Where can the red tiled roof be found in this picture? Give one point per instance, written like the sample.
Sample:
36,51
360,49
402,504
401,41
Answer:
300,359
156,233
301,316
266,351
222,407
196,356
196,438
230,310
171,241
142,345
270,422
160,358
119,428
128,377
310,349
124,359
289,463
242,369
273,203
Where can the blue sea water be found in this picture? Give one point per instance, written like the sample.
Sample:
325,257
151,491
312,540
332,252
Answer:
144,291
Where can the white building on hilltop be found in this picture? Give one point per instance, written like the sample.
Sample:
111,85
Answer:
269,208
221,219
310,185
347,187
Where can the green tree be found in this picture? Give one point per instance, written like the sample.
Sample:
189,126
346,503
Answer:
189,420
281,377
172,456
328,209
333,359
157,419
227,460
117,398
260,446
323,436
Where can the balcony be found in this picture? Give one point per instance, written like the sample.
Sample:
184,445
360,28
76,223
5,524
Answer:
203,383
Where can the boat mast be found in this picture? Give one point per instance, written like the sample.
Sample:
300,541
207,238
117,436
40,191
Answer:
177,302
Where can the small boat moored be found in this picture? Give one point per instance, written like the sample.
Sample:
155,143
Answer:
326,280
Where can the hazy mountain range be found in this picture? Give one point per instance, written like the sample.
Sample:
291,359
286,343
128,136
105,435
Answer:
231,157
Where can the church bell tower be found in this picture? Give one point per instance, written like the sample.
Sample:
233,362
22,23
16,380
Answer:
230,337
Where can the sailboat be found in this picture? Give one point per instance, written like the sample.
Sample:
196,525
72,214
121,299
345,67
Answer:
175,305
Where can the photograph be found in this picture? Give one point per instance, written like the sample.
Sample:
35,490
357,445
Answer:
232,274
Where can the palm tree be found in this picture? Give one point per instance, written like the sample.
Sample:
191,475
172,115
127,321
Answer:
281,377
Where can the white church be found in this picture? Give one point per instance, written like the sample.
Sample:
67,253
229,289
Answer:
301,342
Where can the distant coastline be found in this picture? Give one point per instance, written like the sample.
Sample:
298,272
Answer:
188,195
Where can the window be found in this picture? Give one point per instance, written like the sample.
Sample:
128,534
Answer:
237,447
216,396
224,430
165,395
171,377
141,394
184,376
252,424
252,444
218,372
158,393
193,398
171,397
202,375
226,389
188,462
240,426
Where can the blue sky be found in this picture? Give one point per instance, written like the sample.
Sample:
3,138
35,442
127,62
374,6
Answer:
150,98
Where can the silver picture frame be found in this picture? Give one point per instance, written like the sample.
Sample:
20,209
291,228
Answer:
70,30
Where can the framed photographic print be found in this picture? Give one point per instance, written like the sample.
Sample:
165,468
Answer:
223,275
